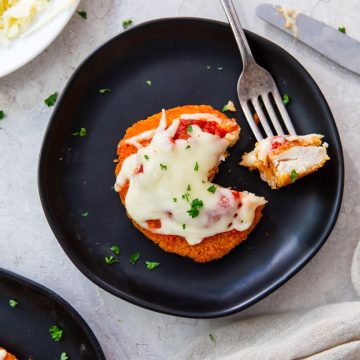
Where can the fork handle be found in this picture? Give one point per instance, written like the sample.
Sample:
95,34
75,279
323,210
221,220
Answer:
238,31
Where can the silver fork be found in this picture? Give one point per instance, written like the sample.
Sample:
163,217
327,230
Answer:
256,83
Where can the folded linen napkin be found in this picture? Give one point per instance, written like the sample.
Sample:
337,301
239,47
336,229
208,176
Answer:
330,332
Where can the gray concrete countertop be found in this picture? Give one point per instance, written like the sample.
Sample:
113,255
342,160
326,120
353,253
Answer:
28,246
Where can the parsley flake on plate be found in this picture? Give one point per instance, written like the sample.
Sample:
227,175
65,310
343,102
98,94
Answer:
13,303
104,91
64,356
134,257
2,114
56,333
286,99
150,265
82,132
85,214
149,82
51,100
208,67
163,167
220,68
196,167
82,14
115,249
111,260
293,176
195,207
342,29
126,23
212,189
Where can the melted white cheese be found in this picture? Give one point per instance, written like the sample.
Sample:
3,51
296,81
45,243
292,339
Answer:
3,354
166,176
290,16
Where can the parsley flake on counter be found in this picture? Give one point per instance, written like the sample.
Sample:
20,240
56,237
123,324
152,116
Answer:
134,257
212,189
56,333
82,14
212,338
151,264
81,133
115,249
126,23
149,82
189,128
342,29
293,176
51,100
184,226
286,99
13,303
2,114
111,260
104,91
163,167
85,214
146,157
196,205
196,167
64,356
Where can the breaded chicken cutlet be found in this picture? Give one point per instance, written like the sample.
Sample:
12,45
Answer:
166,165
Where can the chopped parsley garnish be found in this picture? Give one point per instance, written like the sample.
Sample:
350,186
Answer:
293,176
151,264
212,338
112,188
188,147
286,99
342,29
146,157
196,167
189,128
81,133
111,260
64,356
134,257
186,196
115,249
175,199
126,23
208,67
196,205
13,303
149,82
212,189
184,226
220,68
51,100
2,114
104,91
56,333
163,167
188,188
85,214
83,14
225,108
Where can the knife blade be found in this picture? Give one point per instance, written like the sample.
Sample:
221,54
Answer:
326,40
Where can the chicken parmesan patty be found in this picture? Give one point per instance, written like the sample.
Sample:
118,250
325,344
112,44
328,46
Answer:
164,172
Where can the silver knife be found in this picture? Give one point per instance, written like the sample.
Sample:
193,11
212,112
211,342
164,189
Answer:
326,40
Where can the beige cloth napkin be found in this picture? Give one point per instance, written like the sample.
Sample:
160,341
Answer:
330,332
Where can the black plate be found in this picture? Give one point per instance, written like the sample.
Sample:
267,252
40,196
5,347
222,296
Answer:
24,330
76,173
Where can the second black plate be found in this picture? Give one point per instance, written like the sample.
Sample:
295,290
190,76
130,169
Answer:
24,329
181,58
